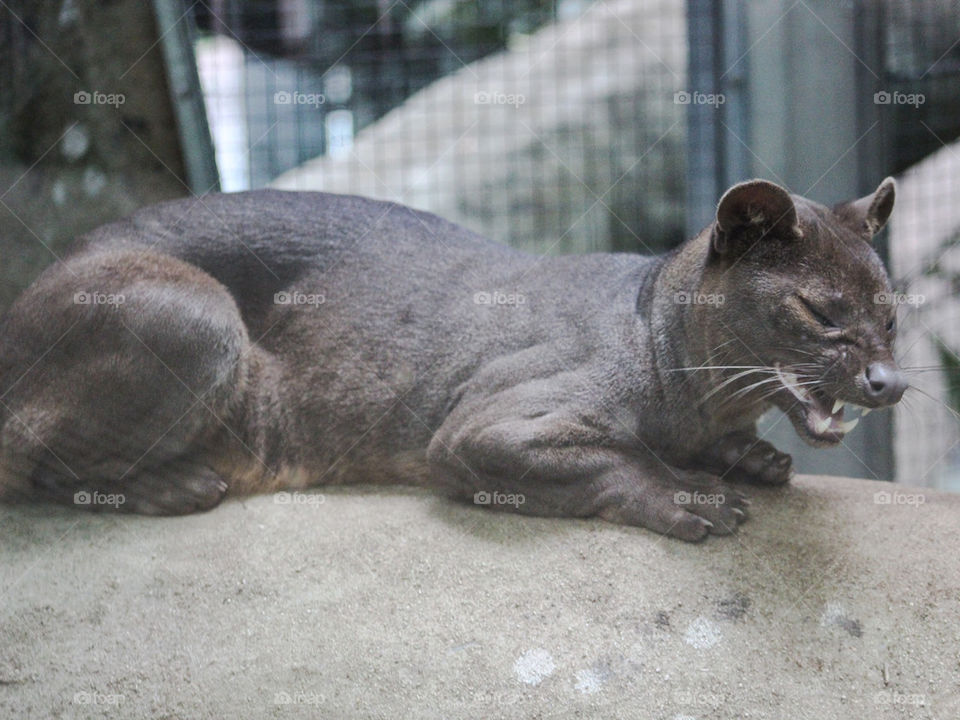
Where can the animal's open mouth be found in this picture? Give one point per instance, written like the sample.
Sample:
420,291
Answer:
815,414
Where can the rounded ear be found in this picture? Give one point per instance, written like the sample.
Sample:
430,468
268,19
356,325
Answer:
758,205
869,214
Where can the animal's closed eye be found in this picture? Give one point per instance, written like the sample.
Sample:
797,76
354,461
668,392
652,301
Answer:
818,315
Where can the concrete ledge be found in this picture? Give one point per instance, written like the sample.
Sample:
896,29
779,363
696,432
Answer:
399,604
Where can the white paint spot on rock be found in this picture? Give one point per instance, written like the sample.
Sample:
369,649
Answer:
59,193
68,14
93,181
591,680
534,666
703,633
75,143
833,613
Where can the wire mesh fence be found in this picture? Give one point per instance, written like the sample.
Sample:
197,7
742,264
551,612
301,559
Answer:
922,116
544,125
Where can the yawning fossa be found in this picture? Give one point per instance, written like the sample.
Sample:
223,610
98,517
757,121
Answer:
250,342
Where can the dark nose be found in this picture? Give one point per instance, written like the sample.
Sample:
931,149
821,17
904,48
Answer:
885,383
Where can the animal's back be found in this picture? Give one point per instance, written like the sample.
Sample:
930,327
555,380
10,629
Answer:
264,242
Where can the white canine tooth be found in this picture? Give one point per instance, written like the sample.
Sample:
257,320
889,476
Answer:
864,411
849,425
822,425
837,404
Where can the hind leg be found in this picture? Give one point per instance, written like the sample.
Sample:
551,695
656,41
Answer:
125,401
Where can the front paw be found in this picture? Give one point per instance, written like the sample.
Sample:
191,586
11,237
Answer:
745,458
690,506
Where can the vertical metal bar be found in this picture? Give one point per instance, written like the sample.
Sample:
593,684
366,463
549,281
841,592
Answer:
717,134
704,160
873,164
176,31
733,115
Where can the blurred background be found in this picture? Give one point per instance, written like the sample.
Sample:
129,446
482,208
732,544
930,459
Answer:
557,127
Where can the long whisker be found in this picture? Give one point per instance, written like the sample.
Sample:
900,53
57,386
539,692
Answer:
937,400
748,388
806,380
729,380
712,357
906,408
722,367
797,350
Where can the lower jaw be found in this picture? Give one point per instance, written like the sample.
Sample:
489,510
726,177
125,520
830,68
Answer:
817,418
827,440
812,437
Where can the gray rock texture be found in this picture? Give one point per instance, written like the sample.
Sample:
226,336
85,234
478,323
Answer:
833,601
